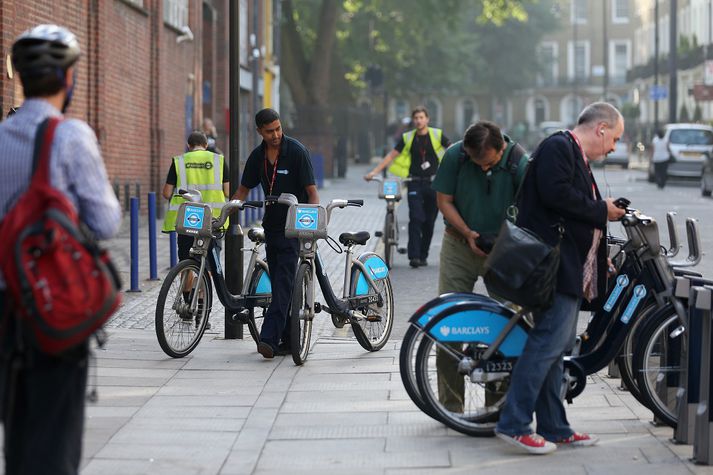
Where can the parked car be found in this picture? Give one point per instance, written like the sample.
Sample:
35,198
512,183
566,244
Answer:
707,176
688,145
620,155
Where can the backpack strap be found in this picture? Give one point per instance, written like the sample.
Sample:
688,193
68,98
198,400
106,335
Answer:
42,151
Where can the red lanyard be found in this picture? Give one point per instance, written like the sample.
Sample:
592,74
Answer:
274,171
586,161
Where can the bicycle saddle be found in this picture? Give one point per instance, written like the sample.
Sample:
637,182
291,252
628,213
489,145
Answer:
256,235
354,238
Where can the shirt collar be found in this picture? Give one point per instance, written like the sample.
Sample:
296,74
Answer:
283,146
38,108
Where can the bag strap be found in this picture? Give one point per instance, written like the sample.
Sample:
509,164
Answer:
42,151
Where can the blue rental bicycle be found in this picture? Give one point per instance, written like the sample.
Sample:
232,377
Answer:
186,296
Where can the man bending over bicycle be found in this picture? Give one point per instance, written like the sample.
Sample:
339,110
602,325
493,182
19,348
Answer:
281,165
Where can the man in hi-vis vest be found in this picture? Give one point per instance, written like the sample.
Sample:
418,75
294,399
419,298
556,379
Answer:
198,169
417,156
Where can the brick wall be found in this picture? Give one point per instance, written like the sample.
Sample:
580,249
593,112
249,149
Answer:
133,78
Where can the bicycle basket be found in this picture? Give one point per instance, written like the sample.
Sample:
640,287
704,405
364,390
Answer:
390,190
194,220
306,221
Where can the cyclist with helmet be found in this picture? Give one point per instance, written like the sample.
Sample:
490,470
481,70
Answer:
43,395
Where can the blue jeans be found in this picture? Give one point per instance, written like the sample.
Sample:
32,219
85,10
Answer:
536,382
282,257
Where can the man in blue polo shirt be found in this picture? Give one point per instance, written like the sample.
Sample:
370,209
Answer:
280,164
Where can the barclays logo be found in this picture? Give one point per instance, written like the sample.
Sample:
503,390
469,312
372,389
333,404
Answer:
445,331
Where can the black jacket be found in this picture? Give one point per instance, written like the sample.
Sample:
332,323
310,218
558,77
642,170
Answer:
558,189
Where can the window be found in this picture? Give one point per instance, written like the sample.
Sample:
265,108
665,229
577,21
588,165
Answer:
548,61
243,20
175,13
540,110
578,11
570,107
578,67
620,11
467,113
400,110
433,106
619,61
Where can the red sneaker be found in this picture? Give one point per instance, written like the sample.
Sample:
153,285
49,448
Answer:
579,439
530,443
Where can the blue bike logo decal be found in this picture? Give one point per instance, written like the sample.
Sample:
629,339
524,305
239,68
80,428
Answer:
391,188
621,282
193,217
306,219
638,296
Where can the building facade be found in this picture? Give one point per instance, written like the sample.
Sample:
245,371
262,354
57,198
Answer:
150,72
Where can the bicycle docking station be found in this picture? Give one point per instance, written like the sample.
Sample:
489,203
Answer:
688,392
700,304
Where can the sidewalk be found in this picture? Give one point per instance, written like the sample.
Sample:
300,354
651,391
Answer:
224,409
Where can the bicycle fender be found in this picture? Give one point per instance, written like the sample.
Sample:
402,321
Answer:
430,309
264,285
376,267
475,322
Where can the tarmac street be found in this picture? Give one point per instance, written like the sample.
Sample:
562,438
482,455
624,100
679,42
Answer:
224,409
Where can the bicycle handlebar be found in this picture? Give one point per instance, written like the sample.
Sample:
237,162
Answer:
231,207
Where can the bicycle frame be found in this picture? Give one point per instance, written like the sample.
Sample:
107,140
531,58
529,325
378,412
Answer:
233,303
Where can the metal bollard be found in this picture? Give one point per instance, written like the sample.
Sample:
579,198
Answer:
137,187
702,437
127,197
173,246
134,245
688,393
153,271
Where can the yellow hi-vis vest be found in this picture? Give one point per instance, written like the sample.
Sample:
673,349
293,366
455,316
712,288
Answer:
402,163
200,170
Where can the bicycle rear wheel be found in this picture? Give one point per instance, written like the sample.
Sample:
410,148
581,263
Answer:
407,363
373,332
301,314
658,363
476,409
178,328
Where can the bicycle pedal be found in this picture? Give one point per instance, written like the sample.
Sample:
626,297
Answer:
317,307
378,233
402,250
373,318
241,317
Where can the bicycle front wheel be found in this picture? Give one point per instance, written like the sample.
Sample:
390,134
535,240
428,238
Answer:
407,364
179,324
301,314
658,359
389,239
373,328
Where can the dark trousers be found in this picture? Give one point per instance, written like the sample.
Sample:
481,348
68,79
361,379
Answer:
661,173
422,212
282,256
42,406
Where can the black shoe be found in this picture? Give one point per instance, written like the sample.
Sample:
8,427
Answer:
283,349
423,262
266,350
415,263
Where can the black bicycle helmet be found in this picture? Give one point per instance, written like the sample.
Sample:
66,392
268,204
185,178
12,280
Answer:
45,48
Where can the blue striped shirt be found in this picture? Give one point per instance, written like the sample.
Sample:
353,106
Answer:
76,166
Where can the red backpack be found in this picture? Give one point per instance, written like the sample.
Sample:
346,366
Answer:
58,279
